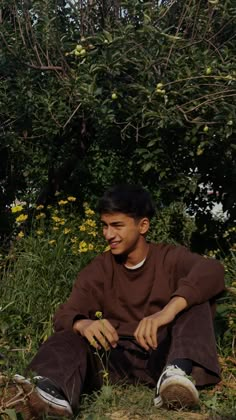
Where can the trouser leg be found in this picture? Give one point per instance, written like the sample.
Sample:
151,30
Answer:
192,337
68,360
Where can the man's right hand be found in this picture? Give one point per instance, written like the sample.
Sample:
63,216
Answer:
99,333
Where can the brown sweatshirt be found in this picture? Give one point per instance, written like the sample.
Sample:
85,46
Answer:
126,296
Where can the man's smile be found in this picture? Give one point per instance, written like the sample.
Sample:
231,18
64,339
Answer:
114,244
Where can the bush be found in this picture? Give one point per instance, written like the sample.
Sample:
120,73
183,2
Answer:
40,269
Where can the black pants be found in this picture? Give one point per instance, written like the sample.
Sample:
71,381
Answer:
67,358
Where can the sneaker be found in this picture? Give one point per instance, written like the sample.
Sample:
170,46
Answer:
175,389
33,401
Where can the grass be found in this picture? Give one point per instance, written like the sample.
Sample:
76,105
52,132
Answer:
131,402
136,402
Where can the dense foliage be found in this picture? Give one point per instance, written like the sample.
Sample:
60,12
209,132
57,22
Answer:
94,93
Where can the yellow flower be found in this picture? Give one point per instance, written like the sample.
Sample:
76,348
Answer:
83,246
89,212
16,209
73,240
82,228
55,228
21,234
90,222
66,230
57,193
98,314
22,218
39,232
71,198
93,233
40,216
107,248
40,207
90,247
56,219
62,202
52,242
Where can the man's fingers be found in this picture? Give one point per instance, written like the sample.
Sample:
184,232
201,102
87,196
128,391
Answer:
146,334
154,330
150,333
109,332
92,341
140,334
101,339
97,340
101,333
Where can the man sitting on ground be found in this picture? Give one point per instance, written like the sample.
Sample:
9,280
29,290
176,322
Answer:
155,302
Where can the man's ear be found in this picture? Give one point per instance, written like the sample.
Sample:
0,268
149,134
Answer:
144,225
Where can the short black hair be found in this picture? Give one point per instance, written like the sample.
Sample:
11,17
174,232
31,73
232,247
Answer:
132,200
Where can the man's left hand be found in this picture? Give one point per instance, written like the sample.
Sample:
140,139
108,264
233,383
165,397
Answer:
146,332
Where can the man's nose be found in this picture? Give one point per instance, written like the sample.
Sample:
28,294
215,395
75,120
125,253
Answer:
109,233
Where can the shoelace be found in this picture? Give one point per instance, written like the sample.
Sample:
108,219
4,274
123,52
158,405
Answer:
169,369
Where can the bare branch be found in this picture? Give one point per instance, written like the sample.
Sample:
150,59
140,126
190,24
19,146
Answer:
177,31
72,115
37,55
209,95
196,77
216,49
44,68
222,28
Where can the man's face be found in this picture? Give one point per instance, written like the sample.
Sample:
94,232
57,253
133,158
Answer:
123,233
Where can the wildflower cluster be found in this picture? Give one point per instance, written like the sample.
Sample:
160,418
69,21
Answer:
61,225
88,228
21,217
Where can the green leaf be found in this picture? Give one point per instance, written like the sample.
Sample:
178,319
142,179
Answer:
108,35
152,143
147,166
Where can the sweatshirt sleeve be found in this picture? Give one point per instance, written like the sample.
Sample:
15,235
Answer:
85,299
196,278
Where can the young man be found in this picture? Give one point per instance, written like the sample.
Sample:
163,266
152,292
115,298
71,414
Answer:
155,301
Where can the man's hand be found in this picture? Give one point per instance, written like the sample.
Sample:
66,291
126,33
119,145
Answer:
99,333
146,332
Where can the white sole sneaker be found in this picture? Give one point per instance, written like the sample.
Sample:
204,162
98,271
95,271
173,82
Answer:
178,392
30,400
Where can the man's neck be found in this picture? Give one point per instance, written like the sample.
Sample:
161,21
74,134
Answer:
133,267
137,257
